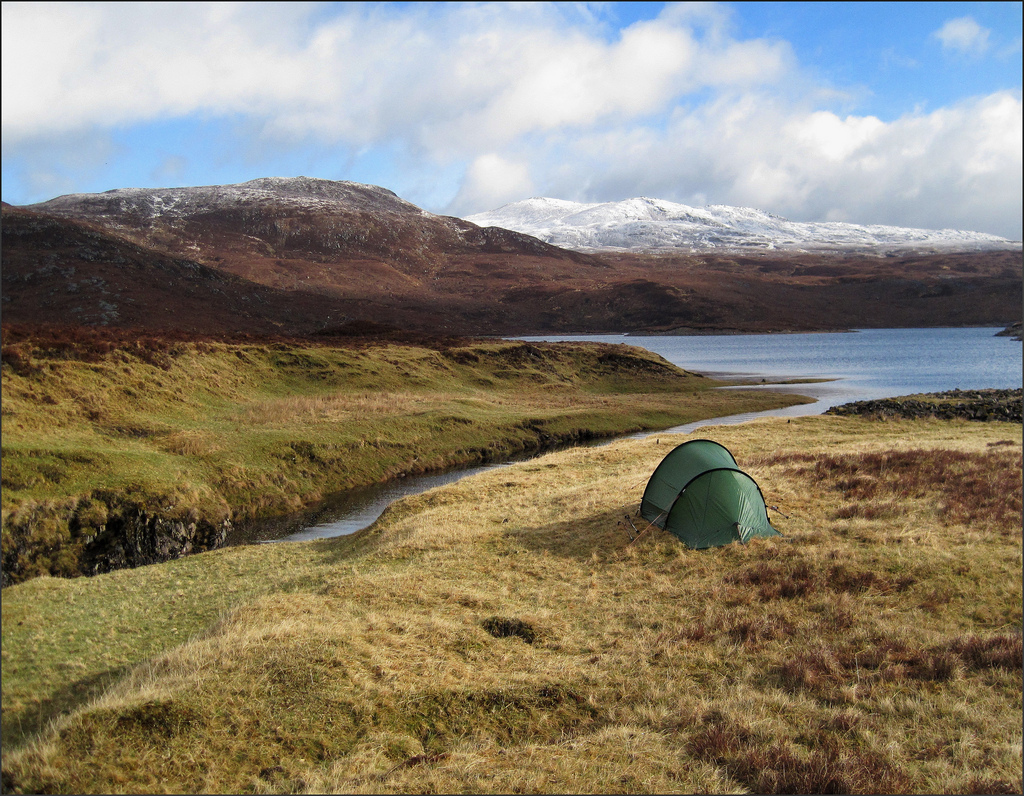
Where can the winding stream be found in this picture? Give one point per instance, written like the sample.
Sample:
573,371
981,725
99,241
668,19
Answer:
870,364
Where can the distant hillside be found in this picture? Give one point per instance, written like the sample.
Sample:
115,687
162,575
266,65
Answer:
300,255
58,270
644,224
301,233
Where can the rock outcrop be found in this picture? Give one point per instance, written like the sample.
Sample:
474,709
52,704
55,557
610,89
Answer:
1013,330
75,537
139,538
982,405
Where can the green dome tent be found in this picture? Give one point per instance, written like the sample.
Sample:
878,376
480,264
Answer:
699,494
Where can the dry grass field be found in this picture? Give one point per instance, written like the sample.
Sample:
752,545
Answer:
503,634
99,429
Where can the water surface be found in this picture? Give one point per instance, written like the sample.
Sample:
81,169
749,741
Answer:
863,365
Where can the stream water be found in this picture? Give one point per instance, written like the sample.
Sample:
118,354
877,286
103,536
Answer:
862,365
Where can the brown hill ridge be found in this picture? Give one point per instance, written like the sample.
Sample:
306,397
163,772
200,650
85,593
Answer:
297,255
295,233
62,271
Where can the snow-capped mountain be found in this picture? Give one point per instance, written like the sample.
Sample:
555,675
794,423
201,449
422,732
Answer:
643,224
292,255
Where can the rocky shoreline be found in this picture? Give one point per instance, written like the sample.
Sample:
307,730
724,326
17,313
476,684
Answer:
980,405
1013,330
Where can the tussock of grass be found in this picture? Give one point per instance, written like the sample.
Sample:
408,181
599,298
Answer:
503,634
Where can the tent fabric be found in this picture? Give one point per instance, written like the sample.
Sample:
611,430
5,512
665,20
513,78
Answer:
699,494
682,464
719,507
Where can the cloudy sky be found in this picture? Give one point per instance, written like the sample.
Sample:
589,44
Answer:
892,113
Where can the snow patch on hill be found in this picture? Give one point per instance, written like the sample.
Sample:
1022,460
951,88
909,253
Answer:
643,224
300,193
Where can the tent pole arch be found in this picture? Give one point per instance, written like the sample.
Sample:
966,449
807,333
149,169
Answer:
734,470
726,511
678,467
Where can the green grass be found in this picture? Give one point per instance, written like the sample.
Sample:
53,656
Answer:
502,634
204,431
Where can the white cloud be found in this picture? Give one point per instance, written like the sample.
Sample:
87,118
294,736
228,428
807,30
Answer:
492,180
956,167
964,35
532,98
823,136
444,77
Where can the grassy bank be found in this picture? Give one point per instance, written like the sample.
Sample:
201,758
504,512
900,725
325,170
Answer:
502,634
97,434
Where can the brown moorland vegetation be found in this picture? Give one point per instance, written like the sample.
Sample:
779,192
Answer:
274,269
503,634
